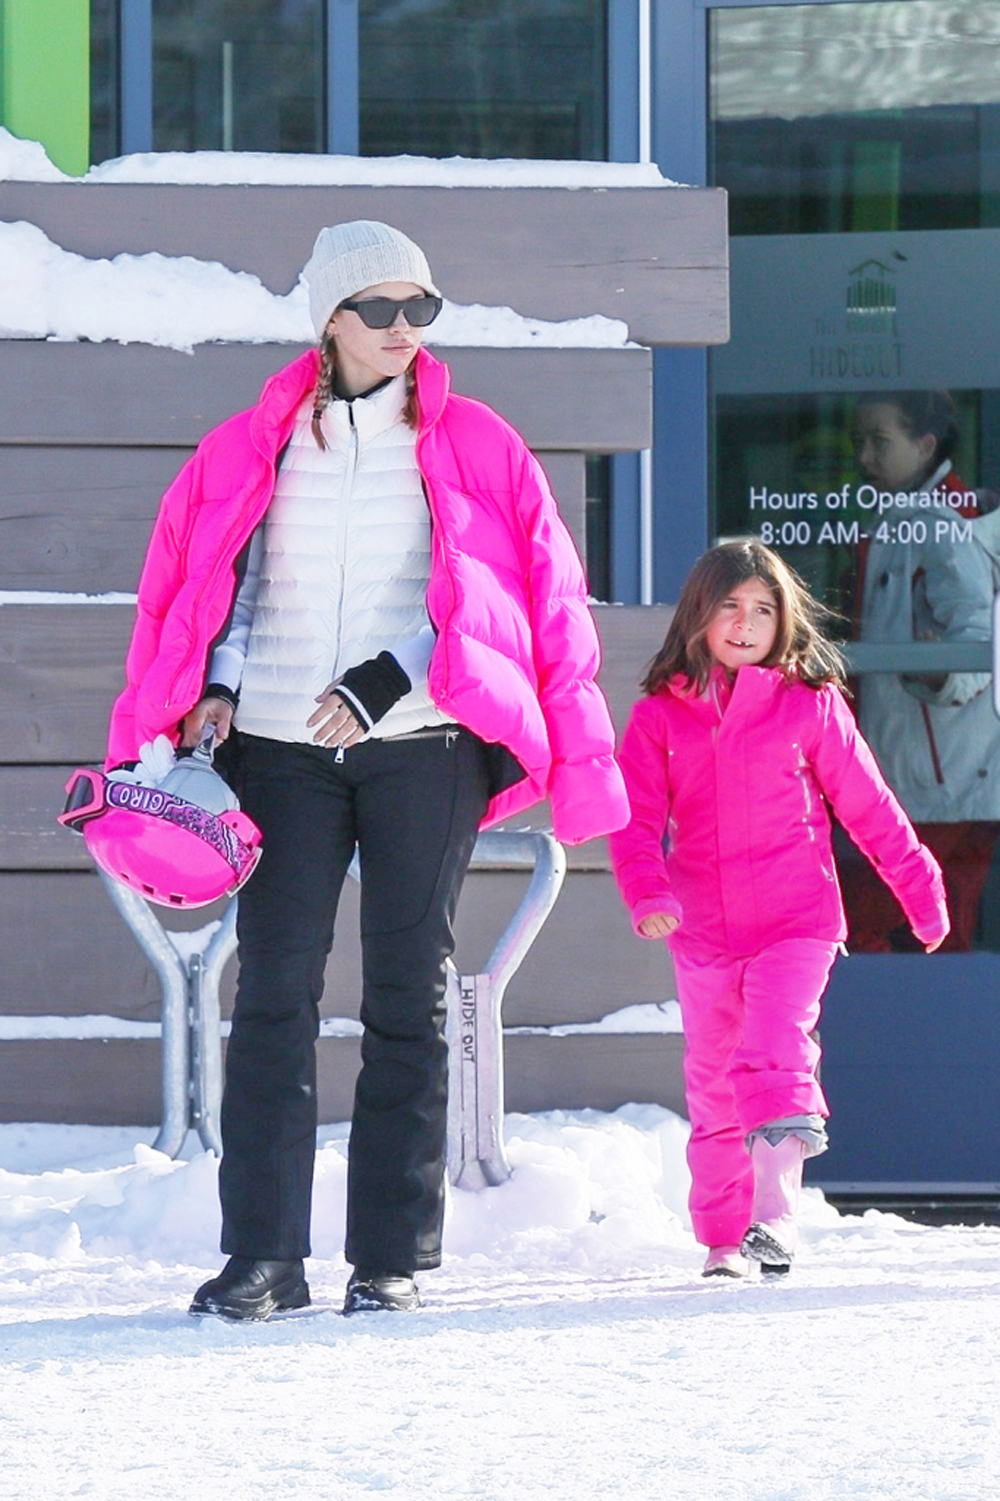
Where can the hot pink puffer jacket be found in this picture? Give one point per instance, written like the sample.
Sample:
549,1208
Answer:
517,651
742,789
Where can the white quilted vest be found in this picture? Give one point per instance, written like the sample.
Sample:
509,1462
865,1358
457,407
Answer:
345,567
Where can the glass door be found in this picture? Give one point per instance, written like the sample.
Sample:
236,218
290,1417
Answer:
856,427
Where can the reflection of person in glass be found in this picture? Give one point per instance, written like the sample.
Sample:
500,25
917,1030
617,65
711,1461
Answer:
936,736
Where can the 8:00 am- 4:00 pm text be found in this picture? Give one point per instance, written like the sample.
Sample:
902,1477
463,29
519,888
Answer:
941,525
849,533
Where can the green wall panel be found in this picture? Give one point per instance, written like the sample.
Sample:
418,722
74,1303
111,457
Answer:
45,76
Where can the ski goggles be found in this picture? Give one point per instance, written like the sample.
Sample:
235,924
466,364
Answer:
151,852
382,312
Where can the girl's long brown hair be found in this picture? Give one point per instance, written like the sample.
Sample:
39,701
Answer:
323,394
800,648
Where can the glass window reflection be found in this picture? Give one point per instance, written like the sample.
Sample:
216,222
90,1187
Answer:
104,109
468,78
856,413
246,75
856,117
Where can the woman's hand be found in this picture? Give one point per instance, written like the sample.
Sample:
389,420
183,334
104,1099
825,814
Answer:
658,925
338,728
214,711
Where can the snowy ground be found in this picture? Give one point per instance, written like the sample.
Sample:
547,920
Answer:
568,1347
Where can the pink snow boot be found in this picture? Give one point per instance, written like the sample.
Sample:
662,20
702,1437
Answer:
773,1237
725,1261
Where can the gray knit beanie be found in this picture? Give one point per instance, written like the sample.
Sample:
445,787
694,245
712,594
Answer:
347,258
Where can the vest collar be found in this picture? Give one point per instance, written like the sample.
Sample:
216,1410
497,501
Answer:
284,392
368,416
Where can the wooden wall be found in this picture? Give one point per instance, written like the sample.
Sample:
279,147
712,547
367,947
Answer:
89,436
655,257
66,952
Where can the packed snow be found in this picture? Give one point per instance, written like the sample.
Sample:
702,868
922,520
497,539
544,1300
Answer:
651,1016
664,1016
568,1347
63,597
27,161
178,301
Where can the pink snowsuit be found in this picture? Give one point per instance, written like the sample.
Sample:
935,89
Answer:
740,779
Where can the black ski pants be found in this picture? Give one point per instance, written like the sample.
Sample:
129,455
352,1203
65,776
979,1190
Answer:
413,807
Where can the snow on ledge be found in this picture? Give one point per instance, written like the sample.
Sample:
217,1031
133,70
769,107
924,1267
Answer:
661,1016
62,597
26,161
178,302
104,1028
664,1017
72,1028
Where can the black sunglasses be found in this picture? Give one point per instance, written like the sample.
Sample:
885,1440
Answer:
382,312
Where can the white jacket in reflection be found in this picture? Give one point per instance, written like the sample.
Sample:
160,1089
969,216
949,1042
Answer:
936,737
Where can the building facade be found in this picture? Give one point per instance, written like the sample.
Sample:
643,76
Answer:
859,144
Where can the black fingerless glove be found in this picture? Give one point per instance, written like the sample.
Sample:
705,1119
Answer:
371,688
219,690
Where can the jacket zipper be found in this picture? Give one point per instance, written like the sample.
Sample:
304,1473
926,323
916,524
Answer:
932,744
448,733
345,500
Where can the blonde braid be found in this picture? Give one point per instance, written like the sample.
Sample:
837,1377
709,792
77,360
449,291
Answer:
411,412
324,385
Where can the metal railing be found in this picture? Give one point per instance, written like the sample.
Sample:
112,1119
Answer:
190,1017
931,656
189,967
476,1156
919,656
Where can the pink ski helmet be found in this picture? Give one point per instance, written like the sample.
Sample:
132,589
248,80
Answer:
171,850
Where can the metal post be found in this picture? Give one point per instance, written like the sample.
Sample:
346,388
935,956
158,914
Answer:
227,96
476,1156
191,1028
205,973
135,57
342,77
174,1037
190,1047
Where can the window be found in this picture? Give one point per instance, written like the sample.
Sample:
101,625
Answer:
856,412
104,111
471,78
238,75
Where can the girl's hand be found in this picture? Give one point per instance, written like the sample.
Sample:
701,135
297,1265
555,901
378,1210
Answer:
338,728
215,711
930,947
658,924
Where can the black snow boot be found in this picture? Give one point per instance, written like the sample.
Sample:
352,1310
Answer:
249,1289
380,1292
